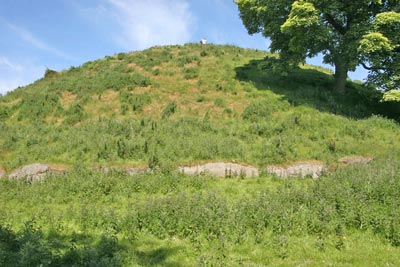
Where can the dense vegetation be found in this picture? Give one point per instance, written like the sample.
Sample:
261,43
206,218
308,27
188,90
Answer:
180,104
191,103
348,218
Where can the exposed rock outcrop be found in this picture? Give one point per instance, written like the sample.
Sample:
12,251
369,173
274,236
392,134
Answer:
313,169
221,169
33,172
351,160
38,171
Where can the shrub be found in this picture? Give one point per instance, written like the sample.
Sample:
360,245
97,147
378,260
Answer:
75,114
203,54
156,72
169,109
38,105
136,101
4,112
201,99
120,56
219,102
190,73
48,73
263,109
182,61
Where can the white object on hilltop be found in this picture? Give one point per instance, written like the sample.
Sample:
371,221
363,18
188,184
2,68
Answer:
203,41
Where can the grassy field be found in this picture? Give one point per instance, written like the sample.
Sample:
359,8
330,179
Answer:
174,105
346,218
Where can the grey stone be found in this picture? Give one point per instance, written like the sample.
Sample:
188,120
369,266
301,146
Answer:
221,169
313,169
33,172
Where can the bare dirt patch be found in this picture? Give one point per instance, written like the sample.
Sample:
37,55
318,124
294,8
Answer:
12,102
58,168
67,99
135,66
109,97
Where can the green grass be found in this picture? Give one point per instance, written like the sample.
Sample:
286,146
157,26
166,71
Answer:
173,105
346,218
232,106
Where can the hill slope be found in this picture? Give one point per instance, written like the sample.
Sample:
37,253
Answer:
191,103
172,105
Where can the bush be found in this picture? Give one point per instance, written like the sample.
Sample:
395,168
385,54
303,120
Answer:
38,105
136,101
75,114
50,73
29,247
201,99
182,61
190,73
219,102
120,56
4,112
169,109
263,109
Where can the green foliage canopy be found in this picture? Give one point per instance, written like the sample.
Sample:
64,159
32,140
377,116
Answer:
344,31
381,49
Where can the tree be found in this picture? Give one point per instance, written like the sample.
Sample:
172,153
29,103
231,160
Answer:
335,28
380,49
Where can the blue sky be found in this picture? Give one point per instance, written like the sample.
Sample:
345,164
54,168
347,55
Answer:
58,34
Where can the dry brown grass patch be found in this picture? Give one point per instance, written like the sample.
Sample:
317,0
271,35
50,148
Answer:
135,66
11,103
67,99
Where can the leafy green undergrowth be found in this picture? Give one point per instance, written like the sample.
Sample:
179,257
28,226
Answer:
292,136
346,218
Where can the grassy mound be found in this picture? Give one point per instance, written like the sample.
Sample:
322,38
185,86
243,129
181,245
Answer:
191,103
174,105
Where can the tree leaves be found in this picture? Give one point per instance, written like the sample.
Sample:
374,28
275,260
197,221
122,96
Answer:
380,48
347,33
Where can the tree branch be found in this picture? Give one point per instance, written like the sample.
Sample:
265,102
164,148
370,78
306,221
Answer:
369,68
331,20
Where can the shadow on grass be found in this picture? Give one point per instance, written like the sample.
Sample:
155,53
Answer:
157,257
29,247
313,87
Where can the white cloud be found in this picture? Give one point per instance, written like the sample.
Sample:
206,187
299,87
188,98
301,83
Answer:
140,24
14,74
5,63
35,41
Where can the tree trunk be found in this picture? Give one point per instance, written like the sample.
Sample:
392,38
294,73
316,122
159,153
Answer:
341,70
